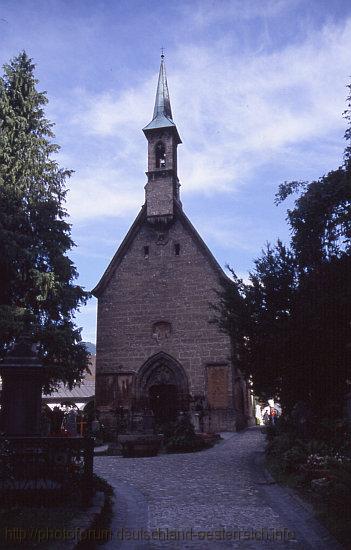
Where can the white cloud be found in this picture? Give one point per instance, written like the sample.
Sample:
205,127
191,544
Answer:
207,12
231,233
235,113
108,114
226,235
102,191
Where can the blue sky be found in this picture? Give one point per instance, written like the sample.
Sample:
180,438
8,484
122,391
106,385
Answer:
257,90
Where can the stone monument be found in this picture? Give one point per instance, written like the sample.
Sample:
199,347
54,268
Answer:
22,376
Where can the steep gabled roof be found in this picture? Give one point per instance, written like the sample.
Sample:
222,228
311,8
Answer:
138,222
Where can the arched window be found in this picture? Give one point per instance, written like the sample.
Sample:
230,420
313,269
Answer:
160,155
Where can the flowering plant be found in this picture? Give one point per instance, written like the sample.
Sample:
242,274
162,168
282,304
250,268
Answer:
315,461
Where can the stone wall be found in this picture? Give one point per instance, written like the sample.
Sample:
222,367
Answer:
159,193
156,302
162,185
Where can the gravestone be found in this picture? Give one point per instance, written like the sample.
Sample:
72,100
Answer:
22,379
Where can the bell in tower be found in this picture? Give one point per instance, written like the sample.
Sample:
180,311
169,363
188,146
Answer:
162,188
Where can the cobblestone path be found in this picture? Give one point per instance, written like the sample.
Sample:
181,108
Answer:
218,498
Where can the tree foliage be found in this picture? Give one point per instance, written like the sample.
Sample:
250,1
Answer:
36,275
292,324
256,316
321,220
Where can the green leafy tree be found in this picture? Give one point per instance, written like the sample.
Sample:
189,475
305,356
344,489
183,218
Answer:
320,330
36,276
320,222
320,337
292,324
256,316
269,300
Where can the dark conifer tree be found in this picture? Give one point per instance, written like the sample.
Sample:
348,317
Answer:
36,276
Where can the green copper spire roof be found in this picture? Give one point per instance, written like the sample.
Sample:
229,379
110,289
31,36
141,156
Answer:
162,101
162,117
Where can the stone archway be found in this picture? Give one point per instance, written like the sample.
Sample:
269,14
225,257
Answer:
163,387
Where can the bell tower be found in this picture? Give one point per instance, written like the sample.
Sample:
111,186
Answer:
162,188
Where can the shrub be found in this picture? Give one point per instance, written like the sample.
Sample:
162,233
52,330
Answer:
337,502
292,459
280,444
317,447
167,429
334,433
184,439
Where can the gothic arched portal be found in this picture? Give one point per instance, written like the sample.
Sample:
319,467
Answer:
163,385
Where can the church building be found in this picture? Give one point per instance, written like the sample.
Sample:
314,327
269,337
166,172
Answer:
158,354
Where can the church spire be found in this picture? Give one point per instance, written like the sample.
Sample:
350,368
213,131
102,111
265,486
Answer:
162,117
162,101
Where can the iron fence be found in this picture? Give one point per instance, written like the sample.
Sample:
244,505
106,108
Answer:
46,470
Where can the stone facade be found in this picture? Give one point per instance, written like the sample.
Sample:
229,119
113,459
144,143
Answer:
157,351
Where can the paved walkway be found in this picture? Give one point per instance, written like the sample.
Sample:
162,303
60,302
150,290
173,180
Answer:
218,498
